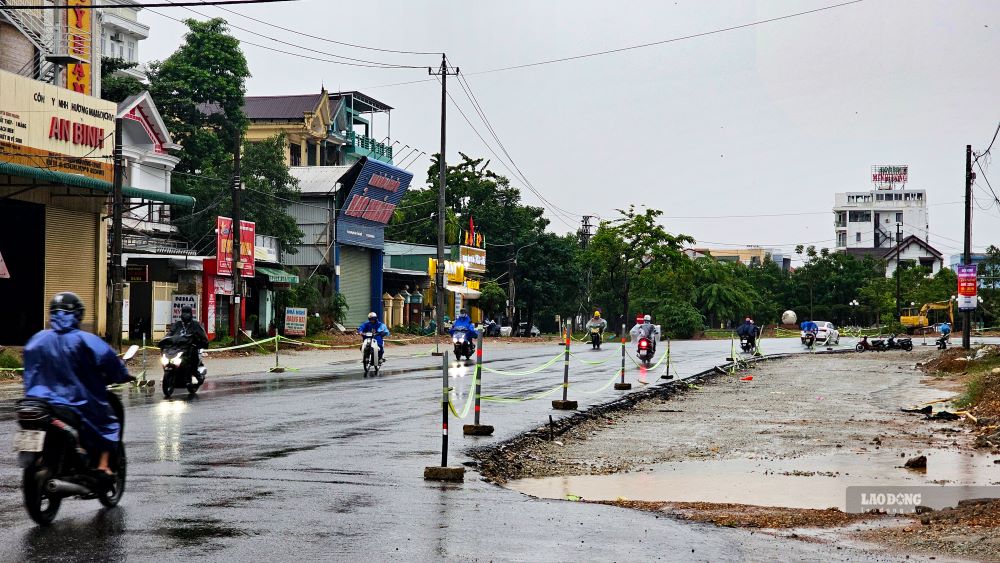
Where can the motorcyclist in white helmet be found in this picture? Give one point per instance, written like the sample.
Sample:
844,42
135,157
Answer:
646,329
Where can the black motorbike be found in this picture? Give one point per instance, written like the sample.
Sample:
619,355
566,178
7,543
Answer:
879,345
942,342
464,345
899,344
181,364
746,345
54,464
595,337
809,339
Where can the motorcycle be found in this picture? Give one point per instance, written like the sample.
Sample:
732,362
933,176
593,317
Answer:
595,337
879,345
942,342
645,351
864,345
901,344
55,466
369,354
181,365
746,345
464,346
809,340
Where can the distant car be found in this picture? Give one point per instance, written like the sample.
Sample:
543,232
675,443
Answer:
827,334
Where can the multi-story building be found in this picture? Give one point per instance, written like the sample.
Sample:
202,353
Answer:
321,129
889,222
749,256
120,34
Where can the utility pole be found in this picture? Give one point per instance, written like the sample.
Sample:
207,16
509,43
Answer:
236,305
899,264
585,234
970,176
443,72
510,296
117,282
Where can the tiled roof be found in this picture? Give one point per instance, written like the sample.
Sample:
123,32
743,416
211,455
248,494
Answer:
281,107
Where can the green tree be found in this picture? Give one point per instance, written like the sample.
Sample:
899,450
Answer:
679,318
720,293
114,87
493,298
624,249
199,90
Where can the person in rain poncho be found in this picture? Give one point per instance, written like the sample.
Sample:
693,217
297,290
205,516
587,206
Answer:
66,366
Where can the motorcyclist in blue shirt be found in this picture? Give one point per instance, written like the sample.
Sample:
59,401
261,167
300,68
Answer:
464,322
379,330
66,366
945,330
809,326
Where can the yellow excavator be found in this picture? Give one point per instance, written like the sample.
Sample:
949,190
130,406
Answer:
913,320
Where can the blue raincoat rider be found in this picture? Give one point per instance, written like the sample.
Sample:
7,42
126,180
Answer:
464,322
378,328
67,366
809,326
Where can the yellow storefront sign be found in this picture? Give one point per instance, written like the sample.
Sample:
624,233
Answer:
79,42
454,271
41,125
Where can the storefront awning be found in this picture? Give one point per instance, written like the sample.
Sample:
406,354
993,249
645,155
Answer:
278,276
78,181
463,291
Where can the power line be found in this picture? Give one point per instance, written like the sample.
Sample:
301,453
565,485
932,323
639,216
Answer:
983,174
304,34
147,5
467,88
665,41
370,64
987,151
300,55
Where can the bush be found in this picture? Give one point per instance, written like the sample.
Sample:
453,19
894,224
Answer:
678,319
974,390
8,360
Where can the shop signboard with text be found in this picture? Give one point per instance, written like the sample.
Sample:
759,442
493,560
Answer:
369,205
224,244
296,319
79,43
967,297
41,125
179,302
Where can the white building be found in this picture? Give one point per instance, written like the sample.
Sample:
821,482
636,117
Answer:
869,219
121,33
885,221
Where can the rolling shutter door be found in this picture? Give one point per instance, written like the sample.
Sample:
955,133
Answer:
70,259
355,283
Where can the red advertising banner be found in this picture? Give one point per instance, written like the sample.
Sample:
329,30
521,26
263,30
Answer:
224,246
967,299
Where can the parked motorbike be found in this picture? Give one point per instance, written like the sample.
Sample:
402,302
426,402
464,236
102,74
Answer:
904,343
879,345
464,346
55,466
181,365
864,345
369,354
595,337
645,351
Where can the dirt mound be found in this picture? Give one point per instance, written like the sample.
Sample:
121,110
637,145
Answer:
748,516
952,360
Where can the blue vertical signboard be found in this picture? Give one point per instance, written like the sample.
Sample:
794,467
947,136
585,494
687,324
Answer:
369,205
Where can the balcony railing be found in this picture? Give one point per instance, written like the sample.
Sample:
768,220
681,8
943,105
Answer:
840,224
375,149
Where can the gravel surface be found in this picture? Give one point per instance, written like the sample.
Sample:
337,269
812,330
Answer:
812,408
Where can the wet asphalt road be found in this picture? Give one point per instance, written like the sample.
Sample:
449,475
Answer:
322,464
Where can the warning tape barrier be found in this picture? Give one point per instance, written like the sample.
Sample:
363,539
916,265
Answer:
528,372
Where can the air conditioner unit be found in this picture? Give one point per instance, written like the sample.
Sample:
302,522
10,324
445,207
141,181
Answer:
116,37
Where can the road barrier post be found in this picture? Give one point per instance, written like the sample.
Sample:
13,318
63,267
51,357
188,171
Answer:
623,386
666,373
565,404
444,473
476,429
277,367
143,382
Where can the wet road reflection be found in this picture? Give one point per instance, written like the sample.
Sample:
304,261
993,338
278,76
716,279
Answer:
167,419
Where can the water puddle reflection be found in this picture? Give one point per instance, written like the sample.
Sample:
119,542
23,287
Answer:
806,482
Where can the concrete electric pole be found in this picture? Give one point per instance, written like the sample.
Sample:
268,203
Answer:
443,72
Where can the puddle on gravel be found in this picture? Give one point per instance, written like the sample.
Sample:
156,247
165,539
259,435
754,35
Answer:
806,482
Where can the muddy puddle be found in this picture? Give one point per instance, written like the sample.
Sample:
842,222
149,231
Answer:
816,481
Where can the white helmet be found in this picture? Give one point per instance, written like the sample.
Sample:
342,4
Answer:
647,319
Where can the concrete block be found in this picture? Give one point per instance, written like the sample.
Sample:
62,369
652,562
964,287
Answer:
623,386
477,430
438,473
561,405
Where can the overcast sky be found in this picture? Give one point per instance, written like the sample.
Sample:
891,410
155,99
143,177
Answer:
767,120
